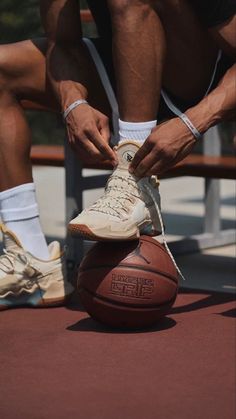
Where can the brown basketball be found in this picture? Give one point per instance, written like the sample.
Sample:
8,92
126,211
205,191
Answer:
128,284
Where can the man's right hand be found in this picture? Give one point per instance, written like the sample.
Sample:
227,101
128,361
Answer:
89,134
68,69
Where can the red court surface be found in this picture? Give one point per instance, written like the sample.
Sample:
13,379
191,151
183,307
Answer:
58,363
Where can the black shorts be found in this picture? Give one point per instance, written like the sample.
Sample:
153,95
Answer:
214,12
104,50
210,13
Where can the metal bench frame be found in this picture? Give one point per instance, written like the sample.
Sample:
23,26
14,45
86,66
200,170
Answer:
213,235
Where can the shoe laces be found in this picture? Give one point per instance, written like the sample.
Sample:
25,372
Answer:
163,232
8,259
121,190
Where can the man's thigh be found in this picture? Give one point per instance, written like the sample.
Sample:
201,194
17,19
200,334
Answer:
23,73
190,51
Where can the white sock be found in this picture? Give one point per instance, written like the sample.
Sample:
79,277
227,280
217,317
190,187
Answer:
19,212
138,131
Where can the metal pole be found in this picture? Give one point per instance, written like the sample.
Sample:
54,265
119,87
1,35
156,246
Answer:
212,147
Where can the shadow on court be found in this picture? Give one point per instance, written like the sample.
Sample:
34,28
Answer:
89,325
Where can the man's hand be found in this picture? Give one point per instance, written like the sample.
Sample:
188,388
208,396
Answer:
167,144
69,71
171,141
89,134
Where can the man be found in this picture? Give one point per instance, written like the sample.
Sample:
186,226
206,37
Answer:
173,44
58,74
46,74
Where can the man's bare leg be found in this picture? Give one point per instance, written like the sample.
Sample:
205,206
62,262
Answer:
139,53
23,83
23,80
141,56
37,279
155,42
22,75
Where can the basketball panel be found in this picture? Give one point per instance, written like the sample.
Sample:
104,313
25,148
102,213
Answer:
131,286
115,315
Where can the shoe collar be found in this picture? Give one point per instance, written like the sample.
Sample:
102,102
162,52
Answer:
10,240
125,153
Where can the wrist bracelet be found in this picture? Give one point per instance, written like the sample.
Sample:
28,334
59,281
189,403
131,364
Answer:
190,126
73,106
181,115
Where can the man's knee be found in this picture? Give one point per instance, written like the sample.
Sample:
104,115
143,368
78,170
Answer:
121,7
4,85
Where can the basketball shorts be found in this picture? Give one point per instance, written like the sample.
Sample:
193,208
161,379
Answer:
165,111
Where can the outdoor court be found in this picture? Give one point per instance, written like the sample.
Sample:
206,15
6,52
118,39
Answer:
58,363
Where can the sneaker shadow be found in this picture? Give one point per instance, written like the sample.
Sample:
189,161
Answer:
89,325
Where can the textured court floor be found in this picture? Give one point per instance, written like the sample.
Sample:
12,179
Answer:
59,363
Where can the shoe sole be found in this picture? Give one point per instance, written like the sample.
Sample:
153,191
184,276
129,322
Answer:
82,231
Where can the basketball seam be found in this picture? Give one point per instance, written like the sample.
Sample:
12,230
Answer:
170,277
129,305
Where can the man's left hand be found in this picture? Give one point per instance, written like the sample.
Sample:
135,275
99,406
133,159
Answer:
167,144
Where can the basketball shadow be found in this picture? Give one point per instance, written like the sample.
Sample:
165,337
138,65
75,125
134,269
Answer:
90,325
74,304
209,299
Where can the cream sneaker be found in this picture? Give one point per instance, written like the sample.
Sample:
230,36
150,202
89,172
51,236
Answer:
128,207
28,281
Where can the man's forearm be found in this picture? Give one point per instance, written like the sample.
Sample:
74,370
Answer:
67,74
218,106
66,58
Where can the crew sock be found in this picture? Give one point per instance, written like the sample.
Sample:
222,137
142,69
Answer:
137,131
19,212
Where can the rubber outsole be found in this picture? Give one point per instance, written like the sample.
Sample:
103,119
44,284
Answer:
40,304
82,231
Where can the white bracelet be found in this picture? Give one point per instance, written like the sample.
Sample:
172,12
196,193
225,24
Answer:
181,115
73,106
190,126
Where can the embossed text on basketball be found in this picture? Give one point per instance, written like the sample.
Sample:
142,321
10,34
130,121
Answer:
132,287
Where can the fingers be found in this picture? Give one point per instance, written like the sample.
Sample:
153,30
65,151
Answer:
96,138
139,156
103,126
87,151
105,136
151,159
144,159
90,130
167,144
157,169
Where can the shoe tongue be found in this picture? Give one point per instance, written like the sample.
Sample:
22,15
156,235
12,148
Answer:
54,250
10,241
125,153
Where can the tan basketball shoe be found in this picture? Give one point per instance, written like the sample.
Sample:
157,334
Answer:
128,207
28,281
